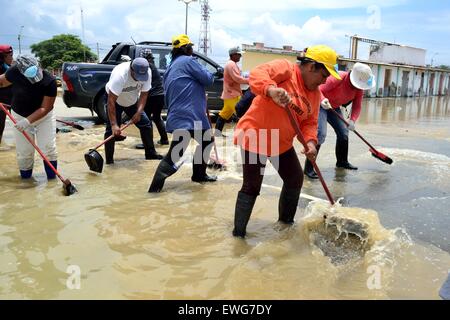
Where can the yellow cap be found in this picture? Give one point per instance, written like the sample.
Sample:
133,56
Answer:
326,56
180,40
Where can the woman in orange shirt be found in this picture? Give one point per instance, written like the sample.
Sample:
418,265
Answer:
265,131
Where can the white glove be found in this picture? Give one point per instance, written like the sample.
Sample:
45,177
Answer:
22,125
325,104
351,125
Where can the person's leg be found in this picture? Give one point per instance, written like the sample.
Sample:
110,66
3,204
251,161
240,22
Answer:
145,128
156,107
321,135
167,166
229,107
46,141
110,145
341,140
201,156
24,150
253,166
290,171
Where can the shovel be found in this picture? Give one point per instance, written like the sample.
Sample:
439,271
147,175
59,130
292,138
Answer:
93,159
375,153
68,187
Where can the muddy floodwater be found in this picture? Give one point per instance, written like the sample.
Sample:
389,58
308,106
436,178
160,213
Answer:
113,240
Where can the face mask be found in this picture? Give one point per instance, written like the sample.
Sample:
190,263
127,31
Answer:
31,72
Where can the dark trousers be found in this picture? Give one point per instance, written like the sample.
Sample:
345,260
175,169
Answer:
153,109
287,165
179,144
338,125
144,123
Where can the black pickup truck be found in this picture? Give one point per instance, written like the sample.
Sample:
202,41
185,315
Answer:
84,83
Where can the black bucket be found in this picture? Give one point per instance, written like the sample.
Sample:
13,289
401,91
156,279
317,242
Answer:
94,160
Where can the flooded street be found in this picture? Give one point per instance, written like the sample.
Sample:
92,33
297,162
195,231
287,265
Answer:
129,244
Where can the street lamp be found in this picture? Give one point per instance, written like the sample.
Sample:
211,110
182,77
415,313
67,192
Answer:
187,5
19,37
432,58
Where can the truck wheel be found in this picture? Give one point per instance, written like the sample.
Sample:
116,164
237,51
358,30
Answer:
100,109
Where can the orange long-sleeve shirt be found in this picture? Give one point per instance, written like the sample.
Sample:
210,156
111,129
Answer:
265,128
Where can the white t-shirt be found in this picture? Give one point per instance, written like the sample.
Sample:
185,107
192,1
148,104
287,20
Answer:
122,84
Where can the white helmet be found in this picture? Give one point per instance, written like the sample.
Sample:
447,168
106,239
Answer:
362,77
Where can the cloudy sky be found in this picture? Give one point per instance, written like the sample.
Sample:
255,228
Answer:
300,23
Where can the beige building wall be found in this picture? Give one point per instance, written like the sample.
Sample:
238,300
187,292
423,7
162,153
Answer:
252,59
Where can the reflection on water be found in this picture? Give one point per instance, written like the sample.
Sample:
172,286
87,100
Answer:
178,244
403,109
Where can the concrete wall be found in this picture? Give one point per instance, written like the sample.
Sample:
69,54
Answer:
398,54
252,59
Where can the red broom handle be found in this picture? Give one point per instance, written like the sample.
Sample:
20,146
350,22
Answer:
303,142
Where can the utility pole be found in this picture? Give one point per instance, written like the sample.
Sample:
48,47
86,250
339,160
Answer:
205,35
19,37
82,32
187,5
98,53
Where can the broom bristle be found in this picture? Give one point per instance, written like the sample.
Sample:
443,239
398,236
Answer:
382,157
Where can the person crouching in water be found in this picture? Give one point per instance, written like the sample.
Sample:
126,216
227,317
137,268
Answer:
33,97
265,131
184,83
127,90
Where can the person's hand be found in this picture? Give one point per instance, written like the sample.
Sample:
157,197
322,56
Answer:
325,104
136,118
116,130
311,153
351,125
279,96
22,125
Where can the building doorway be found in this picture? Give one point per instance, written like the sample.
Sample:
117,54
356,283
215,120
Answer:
387,82
405,83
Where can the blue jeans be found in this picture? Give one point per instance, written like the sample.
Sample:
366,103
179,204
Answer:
338,125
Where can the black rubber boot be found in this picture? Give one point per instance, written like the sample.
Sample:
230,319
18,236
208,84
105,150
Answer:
159,123
109,151
164,170
242,213
26,174
309,168
147,139
342,155
199,169
220,123
287,205
48,171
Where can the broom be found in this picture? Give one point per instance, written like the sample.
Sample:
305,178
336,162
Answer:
375,153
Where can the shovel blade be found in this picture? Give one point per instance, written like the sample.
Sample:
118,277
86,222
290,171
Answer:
94,160
69,188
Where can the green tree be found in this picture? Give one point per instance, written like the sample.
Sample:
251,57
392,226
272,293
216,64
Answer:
61,48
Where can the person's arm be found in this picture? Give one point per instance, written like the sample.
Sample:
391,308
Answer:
327,87
356,106
236,75
4,82
199,72
112,98
265,78
141,105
